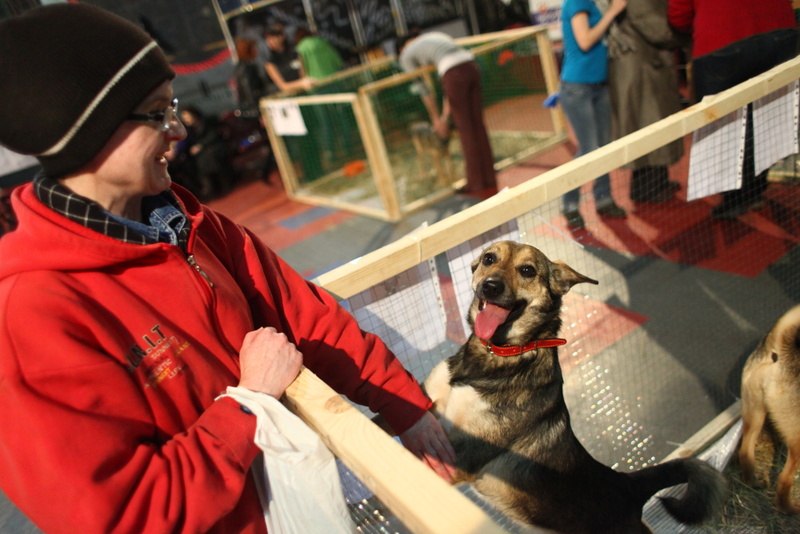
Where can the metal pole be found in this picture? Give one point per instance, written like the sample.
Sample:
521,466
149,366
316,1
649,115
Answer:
226,32
473,17
358,29
399,16
312,24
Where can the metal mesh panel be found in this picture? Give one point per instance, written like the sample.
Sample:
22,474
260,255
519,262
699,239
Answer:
377,153
655,351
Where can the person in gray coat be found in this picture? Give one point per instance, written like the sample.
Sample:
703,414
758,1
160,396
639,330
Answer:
643,83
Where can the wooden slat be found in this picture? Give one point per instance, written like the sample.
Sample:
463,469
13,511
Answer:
332,202
394,80
504,39
351,71
710,433
282,158
309,100
423,501
379,158
549,141
502,34
551,79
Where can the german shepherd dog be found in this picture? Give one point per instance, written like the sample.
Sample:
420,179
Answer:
500,399
771,387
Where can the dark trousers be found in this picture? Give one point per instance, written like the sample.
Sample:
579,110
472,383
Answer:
462,88
732,65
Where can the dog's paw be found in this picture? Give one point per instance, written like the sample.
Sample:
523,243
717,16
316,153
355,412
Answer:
785,504
755,482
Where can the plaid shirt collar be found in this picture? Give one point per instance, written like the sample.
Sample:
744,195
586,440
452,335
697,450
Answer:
89,214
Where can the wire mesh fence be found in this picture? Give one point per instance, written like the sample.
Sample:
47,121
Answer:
363,140
688,286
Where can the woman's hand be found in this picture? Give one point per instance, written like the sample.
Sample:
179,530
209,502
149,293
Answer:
269,362
428,442
617,6
442,128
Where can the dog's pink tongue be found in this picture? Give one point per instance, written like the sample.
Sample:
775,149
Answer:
488,319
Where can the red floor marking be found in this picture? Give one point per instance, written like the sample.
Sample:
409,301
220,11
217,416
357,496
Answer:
261,207
684,232
286,238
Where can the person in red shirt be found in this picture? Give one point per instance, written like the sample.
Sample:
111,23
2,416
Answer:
127,307
733,41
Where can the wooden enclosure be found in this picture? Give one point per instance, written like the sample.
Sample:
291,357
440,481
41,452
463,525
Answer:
363,141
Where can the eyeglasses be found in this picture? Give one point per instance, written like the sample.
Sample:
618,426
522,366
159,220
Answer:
165,118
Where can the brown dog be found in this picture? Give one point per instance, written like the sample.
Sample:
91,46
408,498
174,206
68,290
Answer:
428,143
500,398
771,387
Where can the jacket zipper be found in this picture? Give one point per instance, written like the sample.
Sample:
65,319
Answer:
212,317
197,268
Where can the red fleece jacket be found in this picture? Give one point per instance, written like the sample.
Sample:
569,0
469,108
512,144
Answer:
113,354
715,24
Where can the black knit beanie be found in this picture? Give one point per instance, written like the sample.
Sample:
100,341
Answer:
70,75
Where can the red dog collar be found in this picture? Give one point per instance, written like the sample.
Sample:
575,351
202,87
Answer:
516,350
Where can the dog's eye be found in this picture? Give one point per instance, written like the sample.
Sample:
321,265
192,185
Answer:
527,271
489,258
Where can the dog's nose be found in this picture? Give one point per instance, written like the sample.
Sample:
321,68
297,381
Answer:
492,287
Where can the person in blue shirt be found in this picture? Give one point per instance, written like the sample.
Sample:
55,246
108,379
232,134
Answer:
583,94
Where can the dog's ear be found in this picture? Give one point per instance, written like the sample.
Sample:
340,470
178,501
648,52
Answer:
476,262
563,277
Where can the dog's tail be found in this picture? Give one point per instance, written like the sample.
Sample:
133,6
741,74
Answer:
787,330
705,493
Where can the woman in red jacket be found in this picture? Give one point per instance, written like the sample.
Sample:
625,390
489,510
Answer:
733,41
127,307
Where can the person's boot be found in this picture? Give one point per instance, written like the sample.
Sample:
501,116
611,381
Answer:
574,219
612,211
651,184
638,185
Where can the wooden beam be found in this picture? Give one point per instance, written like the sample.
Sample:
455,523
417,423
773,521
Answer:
282,158
551,79
421,500
331,202
707,435
502,34
378,157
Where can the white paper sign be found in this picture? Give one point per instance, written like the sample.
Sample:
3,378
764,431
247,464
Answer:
547,13
286,118
716,156
422,325
775,123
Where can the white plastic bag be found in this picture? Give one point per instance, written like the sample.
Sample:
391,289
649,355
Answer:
300,491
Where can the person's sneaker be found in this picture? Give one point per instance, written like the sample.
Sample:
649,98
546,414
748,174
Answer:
574,219
612,211
656,196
